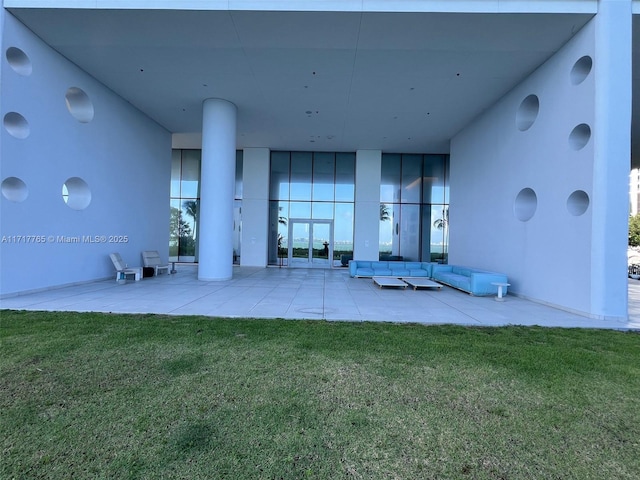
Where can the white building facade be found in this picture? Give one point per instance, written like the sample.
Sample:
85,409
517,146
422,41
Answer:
536,126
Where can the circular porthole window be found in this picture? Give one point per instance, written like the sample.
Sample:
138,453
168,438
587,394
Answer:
19,61
76,193
16,125
527,112
577,203
581,70
14,189
579,136
525,204
79,104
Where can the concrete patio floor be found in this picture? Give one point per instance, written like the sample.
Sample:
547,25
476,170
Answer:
297,293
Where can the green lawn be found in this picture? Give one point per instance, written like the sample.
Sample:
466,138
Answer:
147,396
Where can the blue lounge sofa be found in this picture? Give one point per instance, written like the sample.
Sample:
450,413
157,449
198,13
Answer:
365,268
471,280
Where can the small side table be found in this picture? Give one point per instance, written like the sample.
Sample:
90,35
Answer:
500,285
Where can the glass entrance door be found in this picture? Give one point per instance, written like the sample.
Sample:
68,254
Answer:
311,243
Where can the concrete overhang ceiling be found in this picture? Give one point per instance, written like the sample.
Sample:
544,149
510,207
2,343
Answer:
400,82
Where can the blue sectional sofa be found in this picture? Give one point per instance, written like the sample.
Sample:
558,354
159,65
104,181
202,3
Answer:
365,268
471,280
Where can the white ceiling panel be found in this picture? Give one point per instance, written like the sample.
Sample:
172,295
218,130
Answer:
403,82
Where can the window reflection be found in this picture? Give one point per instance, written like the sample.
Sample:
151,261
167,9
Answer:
434,180
190,174
176,163
185,201
324,177
343,230
345,177
390,179
411,179
279,182
307,185
322,210
414,193
301,170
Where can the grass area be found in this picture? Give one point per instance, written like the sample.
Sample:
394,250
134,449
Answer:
147,396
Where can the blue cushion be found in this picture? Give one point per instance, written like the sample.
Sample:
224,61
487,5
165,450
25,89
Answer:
382,272
418,272
365,272
461,270
399,272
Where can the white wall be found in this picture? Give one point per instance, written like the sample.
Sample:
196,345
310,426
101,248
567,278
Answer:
548,258
123,156
255,206
367,207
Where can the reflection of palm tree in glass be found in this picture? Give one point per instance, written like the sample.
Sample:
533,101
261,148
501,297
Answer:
282,221
442,224
384,213
191,209
179,233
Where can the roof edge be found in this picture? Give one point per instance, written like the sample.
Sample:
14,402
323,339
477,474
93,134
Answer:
450,6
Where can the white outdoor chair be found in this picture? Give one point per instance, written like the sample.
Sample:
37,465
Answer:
122,269
151,258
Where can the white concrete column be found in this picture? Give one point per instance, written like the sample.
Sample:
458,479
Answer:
367,207
612,154
255,207
217,182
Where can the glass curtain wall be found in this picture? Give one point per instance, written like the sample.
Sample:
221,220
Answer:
314,186
184,206
414,207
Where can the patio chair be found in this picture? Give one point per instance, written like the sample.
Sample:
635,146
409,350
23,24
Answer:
151,259
122,269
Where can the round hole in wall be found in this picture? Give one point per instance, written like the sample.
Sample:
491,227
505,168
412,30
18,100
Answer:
14,189
527,112
19,61
525,204
577,203
16,125
79,104
581,70
579,136
76,193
